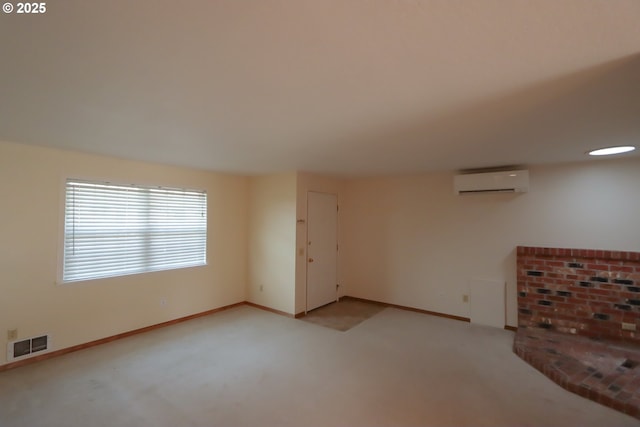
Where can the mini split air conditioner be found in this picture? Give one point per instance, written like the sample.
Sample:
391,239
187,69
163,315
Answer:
516,181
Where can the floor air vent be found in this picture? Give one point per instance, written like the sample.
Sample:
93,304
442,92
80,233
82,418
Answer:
29,347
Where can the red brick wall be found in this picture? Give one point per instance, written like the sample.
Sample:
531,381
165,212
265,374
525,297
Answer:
579,291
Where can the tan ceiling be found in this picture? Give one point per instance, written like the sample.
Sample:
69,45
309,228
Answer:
354,87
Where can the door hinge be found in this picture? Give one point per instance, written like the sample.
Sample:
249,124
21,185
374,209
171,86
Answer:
337,248
337,208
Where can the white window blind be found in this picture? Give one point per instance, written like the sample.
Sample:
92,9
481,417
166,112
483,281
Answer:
113,230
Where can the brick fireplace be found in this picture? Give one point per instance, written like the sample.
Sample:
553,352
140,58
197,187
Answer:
578,311
580,292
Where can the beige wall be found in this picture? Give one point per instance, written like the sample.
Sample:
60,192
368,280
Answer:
410,241
31,191
322,184
272,240
404,240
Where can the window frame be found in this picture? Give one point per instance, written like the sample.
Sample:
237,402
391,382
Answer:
61,280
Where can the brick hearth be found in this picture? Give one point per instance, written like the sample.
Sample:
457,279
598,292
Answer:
572,304
606,372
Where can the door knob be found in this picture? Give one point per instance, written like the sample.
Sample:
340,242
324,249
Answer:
310,259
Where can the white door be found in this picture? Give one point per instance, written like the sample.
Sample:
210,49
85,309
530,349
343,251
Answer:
322,248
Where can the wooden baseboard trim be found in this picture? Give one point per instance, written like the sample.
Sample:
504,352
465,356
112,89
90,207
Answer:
90,344
269,309
417,310
511,328
79,347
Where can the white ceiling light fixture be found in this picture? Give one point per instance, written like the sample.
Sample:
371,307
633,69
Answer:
612,150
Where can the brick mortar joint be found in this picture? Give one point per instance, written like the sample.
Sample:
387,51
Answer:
546,252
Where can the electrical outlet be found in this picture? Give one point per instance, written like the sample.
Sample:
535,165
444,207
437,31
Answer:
465,298
12,334
163,302
628,326
261,288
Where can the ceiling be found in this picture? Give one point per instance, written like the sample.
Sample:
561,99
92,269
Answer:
348,87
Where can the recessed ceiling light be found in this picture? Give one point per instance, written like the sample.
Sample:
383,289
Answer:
612,150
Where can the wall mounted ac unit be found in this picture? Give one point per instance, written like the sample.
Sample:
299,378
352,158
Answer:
515,181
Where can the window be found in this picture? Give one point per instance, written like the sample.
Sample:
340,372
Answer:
113,230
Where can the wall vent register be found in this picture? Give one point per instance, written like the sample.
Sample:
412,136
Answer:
28,347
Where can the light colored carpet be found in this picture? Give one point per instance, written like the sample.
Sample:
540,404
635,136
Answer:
248,367
344,314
